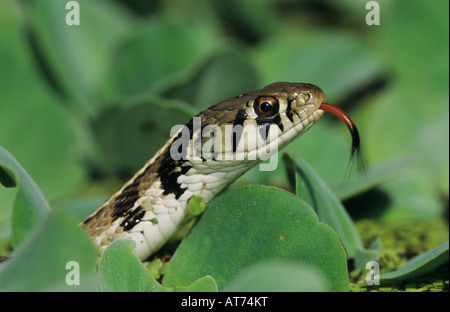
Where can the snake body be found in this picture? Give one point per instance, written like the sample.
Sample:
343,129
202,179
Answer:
151,205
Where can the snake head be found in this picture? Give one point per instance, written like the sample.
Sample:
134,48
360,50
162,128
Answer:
299,107
301,97
263,121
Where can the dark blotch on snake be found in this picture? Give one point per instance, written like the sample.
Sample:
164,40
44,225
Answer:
277,120
169,171
289,111
125,201
241,116
133,218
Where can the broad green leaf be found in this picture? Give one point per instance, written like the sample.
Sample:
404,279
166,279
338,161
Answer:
251,224
364,255
203,284
43,262
7,199
330,210
129,135
34,124
161,53
79,56
243,18
279,276
428,173
316,193
225,75
121,270
30,205
337,62
81,207
412,196
429,22
411,118
372,177
418,266
355,10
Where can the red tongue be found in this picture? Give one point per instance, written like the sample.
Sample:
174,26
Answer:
347,120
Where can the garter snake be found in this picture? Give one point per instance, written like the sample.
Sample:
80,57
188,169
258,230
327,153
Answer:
151,205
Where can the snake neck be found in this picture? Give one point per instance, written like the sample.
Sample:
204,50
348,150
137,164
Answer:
150,207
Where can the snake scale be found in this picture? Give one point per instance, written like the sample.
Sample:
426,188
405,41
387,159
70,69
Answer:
151,205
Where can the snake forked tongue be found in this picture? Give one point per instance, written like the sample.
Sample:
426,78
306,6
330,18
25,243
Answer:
347,120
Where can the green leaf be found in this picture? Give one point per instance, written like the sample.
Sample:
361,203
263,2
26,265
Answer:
34,123
174,48
203,284
39,264
418,266
128,135
80,64
429,22
251,224
279,276
305,57
243,18
315,192
81,207
225,75
121,270
330,210
30,205
411,117
373,177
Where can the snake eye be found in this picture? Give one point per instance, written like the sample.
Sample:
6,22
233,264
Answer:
266,106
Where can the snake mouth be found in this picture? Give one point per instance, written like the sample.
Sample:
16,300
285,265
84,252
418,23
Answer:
348,122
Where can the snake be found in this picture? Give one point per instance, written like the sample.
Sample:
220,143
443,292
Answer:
152,205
